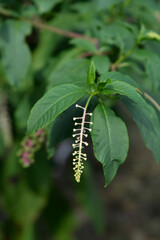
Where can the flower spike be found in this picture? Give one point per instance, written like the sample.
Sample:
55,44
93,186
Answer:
79,144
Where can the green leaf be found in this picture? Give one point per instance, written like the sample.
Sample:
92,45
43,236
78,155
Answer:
149,126
29,11
144,11
62,127
115,34
110,140
129,91
48,42
103,4
72,71
52,104
15,52
120,77
123,88
45,6
22,112
91,75
84,44
102,63
153,70
151,62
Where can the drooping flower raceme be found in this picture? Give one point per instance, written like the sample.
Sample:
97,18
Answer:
29,146
80,134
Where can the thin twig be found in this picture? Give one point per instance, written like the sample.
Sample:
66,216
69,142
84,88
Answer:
146,95
86,54
5,122
41,25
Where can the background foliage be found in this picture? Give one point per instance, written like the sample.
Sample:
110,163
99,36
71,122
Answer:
45,44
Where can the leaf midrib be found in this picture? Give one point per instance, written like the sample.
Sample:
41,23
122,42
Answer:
108,131
79,90
142,102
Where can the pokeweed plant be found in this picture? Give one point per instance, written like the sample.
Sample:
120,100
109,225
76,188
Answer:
47,48
107,78
108,132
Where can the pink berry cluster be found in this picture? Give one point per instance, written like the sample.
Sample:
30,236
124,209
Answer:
29,146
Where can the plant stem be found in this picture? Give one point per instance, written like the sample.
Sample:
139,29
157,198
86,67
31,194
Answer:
88,101
5,122
41,25
146,95
122,57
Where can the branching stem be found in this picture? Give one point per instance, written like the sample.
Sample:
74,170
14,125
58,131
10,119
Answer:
41,25
146,95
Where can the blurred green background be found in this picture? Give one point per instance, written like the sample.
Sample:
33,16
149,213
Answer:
43,202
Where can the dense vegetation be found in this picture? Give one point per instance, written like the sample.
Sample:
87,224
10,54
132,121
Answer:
63,65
